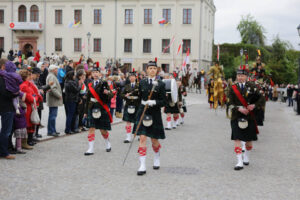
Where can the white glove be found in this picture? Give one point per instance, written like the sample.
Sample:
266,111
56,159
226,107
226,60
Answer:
151,103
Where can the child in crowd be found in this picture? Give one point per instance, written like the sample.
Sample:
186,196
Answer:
20,131
12,81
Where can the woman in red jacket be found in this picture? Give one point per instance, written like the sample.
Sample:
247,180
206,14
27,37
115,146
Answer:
32,93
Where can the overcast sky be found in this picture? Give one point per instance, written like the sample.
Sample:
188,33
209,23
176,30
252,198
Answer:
277,16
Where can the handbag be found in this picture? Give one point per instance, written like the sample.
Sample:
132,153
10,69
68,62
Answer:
34,116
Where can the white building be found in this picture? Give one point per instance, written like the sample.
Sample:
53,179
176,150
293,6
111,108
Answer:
128,30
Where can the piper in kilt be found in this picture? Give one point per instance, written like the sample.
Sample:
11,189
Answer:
171,108
97,111
152,125
244,98
181,101
131,95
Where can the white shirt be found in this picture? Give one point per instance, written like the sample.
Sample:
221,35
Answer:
242,85
153,79
96,82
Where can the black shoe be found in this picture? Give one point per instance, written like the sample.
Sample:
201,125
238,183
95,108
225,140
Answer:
88,154
75,131
12,151
156,167
38,136
126,141
238,168
108,150
57,133
174,127
141,173
246,163
69,133
30,143
168,129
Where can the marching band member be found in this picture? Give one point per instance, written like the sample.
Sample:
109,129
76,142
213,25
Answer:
152,125
171,108
131,95
244,98
97,111
181,102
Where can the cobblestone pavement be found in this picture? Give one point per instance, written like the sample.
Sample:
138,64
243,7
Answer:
197,161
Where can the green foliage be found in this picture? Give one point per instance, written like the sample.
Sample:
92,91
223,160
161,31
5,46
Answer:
251,31
281,61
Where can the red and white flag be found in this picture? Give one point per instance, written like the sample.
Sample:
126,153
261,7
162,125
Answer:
179,48
185,62
167,47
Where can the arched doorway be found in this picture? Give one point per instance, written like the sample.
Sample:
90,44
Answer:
27,50
27,45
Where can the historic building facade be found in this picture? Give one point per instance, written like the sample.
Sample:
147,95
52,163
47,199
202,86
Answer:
133,31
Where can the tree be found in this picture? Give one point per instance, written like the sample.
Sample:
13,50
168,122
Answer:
283,65
252,32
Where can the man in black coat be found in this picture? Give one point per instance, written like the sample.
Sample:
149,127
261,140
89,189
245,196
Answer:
290,91
243,123
7,112
70,66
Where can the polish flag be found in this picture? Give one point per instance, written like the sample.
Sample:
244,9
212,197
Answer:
162,21
166,48
179,48
186,61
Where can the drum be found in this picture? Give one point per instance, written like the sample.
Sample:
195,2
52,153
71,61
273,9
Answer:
171,88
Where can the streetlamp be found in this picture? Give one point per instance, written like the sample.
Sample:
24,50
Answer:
89,37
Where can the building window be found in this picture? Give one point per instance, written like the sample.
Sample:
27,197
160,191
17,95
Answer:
147,46
1,16
58,44
1,42
165,68
97,45
187,16
97,16
34,13
128,16
148,16
78,16
58,16
22,13
77,44
145,67
128,45
167,15
165,43
186,46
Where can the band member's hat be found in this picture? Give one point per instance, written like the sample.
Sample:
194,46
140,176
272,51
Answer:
132,74
243,69
95,69
152,63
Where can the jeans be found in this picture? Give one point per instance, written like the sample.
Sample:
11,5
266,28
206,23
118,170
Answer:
291,102
52,120
7,119
71,108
